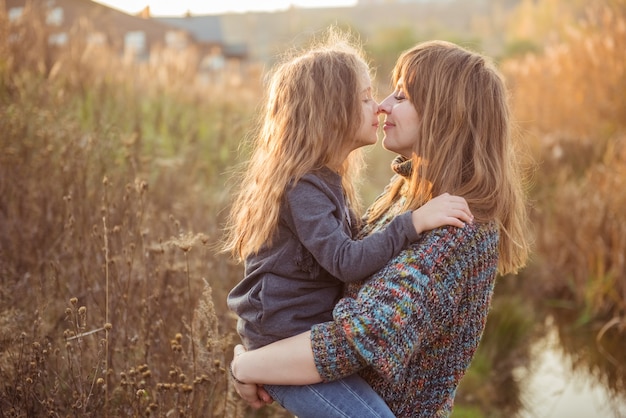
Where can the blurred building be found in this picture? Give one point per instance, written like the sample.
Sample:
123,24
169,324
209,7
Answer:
218,56
135,38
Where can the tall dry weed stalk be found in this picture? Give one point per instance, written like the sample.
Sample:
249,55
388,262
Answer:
571,104
101,163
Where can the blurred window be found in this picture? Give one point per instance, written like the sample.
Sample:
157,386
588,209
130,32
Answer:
135,42
15,13
58,39
55,17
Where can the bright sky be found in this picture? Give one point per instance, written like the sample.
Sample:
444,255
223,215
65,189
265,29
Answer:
180,7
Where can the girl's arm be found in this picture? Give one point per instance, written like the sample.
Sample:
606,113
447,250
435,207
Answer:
317,217
318,224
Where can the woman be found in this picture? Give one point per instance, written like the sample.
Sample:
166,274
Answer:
412,329
292,220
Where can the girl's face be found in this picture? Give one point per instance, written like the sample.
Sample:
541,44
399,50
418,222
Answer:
401,122
367,132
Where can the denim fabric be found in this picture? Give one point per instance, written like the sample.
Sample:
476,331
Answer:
346,398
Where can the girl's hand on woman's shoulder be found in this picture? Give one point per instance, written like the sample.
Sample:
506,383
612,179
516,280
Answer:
445,209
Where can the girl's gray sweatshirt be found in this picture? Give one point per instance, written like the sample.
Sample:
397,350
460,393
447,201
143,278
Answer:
294,283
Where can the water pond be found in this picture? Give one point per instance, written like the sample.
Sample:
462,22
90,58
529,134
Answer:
573,374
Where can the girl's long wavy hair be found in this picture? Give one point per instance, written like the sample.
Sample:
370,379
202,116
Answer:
464,145
312,112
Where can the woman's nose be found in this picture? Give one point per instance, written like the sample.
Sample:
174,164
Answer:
384,106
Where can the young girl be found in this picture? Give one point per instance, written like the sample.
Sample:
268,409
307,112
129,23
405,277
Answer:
293,219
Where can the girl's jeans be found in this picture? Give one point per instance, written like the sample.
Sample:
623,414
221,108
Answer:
346,398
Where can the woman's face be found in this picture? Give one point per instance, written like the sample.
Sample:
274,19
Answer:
367,132
401,122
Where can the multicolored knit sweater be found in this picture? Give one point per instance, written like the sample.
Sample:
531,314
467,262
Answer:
412,329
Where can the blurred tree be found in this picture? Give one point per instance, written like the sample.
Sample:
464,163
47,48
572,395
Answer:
539,21
387,45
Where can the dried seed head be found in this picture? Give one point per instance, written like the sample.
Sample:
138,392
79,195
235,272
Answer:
74,301
185,242
108,326
82,310
141,186
204,239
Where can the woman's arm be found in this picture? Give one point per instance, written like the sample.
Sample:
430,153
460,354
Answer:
397,311
382,325
285,362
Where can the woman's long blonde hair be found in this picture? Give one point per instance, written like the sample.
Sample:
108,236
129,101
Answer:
312,112
464,146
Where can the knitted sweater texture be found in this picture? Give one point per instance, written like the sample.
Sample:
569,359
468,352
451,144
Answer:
412,329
